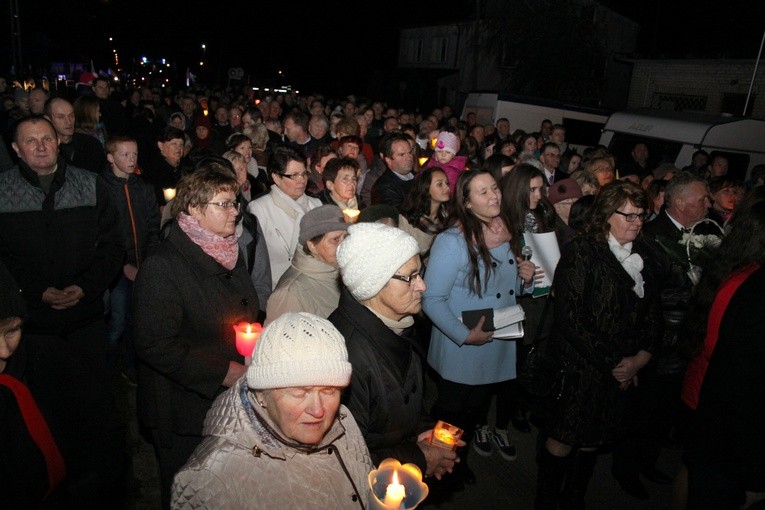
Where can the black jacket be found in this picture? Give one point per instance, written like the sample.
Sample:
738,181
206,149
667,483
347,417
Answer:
71,236
138,212
390,189
84,151
386,390
186,305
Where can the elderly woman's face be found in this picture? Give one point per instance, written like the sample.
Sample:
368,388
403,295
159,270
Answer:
623,230
293,181
344,185
398,298
304,415
326,249
218,216
604,172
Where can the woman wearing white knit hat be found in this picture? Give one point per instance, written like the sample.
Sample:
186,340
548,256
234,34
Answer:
280,427
380,267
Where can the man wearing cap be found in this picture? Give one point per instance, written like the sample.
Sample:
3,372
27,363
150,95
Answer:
61,239
380,267
279,437
312,284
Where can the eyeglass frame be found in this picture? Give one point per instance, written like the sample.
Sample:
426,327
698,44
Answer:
643,216
408,278
294,177
233,204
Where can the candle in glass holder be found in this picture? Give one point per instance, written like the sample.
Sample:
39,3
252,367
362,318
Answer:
445,435
351,215
246,337
394,494
169,194
423,161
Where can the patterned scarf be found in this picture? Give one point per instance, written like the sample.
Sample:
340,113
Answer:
224,250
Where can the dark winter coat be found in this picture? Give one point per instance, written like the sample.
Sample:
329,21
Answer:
386,390
71,236
186,305
390,189
598,321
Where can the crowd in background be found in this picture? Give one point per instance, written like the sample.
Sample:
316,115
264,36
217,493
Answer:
141,226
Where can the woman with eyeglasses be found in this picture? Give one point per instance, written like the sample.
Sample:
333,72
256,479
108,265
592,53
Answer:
472,267
606,321
188,296
279,212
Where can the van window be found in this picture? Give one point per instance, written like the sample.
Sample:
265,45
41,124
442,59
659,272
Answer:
582,132
659,151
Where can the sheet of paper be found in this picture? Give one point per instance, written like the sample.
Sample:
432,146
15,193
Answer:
545,254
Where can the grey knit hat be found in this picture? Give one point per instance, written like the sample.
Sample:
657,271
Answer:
370,255
299,349
321,220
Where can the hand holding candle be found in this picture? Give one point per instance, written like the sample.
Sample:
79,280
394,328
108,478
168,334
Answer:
246,336
395,486
446,435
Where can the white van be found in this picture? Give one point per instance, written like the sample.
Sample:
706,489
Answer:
674,136
583,125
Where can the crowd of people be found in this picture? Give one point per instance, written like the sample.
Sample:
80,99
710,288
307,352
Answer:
136,229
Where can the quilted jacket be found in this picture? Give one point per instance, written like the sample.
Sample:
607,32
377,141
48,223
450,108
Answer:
242,464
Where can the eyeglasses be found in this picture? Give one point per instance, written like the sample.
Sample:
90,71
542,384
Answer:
295,177
226,205
407,279
348,179
634,216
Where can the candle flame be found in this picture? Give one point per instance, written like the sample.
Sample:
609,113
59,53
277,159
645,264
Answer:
249,328
394,481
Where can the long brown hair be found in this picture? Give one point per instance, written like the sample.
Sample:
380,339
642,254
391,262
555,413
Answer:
472,229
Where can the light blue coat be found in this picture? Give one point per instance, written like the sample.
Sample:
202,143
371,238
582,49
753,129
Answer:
448,295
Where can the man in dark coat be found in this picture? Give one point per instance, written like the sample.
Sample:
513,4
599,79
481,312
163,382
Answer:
393,185
60,238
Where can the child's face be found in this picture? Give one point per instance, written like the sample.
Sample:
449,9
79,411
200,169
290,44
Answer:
124,157
444,157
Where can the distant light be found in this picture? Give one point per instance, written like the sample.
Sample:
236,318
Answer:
280,72
144,59
116,78
163,61
111,38
201,63
255,88
203,46
267,90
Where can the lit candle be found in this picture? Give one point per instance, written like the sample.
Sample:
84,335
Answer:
394,494
169,194
433,143
351,215
423,161
444,436
246,336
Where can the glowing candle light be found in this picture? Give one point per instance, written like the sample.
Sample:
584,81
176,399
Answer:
246,337
445,435
169,194
423,161
394,494
351,215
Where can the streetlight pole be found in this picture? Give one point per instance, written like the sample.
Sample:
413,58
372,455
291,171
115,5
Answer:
751,83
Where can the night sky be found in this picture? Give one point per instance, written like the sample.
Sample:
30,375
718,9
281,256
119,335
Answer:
331,45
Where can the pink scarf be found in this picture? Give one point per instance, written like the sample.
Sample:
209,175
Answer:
224,250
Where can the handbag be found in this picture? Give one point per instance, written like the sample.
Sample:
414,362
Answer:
543,376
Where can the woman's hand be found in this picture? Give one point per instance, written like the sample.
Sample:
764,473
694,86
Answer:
477,336
628,368
440,460
527,271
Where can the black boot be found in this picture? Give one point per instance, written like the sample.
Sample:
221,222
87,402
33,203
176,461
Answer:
578,476
550,473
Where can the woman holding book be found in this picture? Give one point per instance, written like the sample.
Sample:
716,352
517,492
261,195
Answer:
473,267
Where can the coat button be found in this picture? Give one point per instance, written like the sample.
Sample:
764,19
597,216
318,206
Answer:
244,302
493,264
499,295
512,292
229,276
511,261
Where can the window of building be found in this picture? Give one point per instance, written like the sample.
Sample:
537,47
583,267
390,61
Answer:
678,102
415,51
439,50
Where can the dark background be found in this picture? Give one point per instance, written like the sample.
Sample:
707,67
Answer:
333,47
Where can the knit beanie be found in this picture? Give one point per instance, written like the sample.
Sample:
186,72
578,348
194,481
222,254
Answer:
447,141
370,255
11,302
297,350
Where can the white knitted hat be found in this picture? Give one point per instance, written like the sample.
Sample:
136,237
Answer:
370,255
299,349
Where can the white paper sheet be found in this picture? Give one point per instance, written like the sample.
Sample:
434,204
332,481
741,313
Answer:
546,254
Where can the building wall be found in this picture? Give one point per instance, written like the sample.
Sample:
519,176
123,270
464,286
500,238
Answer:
713,86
